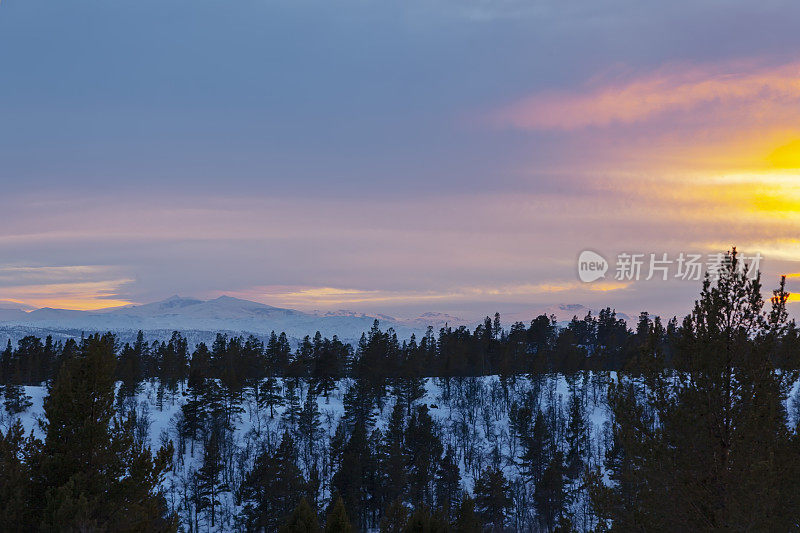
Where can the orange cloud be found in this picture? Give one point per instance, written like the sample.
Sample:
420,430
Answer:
77,287
84,296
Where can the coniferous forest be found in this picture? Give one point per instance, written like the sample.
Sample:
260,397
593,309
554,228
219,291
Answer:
684,425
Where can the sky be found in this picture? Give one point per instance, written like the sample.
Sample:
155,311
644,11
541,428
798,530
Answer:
395,156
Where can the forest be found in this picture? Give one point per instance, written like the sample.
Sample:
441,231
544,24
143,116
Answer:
592,425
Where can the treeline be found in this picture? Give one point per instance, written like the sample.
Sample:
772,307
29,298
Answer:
602,342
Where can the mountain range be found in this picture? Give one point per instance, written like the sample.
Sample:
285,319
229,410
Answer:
234,315
225,313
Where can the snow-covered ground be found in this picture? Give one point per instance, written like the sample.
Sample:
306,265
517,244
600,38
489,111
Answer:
471,414
473,419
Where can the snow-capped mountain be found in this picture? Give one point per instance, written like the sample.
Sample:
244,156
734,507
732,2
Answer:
188,314
200,320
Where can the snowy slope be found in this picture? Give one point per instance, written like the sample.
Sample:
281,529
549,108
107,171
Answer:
472,418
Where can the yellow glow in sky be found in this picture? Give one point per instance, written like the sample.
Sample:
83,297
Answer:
78,304
776,203
786,156
80,296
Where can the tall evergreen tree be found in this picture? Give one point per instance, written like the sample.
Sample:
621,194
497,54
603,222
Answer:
467,521
195,410
269,395
291,414
354,479
15,481
409,389
209,478
273,488
395,518
423,521
448,485
16,400
308,428
337,520
90,473
538,447
707,447
492,499
129,370
424,450
550,497
577,439
393,458
302,520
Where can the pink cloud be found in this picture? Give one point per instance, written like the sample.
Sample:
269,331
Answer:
763,94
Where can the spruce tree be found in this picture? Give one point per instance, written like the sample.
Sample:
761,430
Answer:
424,450
308,428
707,446
422,521
537,445
15,399
195,410
351,480
492,499
337,521
273,488
293,408
6,362
467,521
393,457
269,395
15,481
90,472
550,495
577,439
448,485
409,389
129,371
395,517
329,362
358,406
209,478
302,520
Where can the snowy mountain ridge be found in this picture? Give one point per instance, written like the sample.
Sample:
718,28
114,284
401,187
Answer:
236,315
220,314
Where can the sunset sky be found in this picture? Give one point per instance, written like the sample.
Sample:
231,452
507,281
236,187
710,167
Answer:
391,156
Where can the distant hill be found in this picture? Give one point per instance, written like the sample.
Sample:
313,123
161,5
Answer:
199,320
225,313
